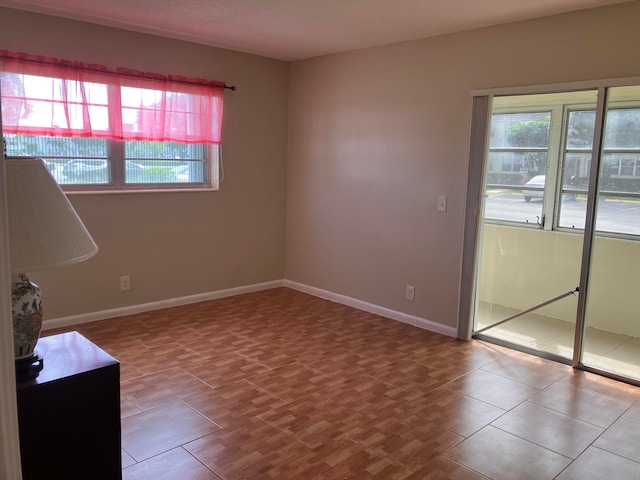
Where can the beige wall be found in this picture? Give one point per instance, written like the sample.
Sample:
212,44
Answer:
375,135
174,244
522,267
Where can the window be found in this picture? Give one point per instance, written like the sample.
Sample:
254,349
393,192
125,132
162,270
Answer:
540,151
99,129
619,175
518,156
80,164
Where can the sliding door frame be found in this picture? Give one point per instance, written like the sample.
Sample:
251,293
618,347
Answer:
478,148
590,225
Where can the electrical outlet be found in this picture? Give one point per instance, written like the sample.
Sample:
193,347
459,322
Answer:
441,203
125,283
410,293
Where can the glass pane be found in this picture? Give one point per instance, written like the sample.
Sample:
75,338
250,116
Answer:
70,160
622,129
520,130
521,268
164,162
575,169
520,203
54,105
509,205
86,171
612,333
163,150
159,171
575,183
620,175
621,172
619,200
517,164
580,129
618,214
515,168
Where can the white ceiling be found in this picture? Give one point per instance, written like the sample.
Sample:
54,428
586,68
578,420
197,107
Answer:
299,29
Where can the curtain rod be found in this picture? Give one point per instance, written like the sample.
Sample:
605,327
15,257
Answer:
87,68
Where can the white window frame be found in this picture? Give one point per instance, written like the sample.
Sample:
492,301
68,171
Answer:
553,191
116,161
552,150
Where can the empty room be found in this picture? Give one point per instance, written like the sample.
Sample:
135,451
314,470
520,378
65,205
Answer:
320,240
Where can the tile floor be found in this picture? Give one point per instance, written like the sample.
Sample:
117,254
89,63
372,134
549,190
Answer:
613,352
282,385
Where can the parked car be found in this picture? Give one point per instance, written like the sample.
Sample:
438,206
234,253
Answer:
536,183
85,168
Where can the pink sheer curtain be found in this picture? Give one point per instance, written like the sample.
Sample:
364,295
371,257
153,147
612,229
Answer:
49,96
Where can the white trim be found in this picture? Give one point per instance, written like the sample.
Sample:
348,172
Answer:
372,308
202,297
557,87
148,307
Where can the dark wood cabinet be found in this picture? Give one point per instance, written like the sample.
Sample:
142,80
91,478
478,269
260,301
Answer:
69,416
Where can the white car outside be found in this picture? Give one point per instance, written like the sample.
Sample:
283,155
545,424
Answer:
536,183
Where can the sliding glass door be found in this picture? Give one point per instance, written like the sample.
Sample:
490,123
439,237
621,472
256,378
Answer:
558,246
528,268
612,316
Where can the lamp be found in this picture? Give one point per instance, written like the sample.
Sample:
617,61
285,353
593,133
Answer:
44,232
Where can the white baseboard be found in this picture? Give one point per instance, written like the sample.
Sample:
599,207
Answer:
376,309
148,307
202,297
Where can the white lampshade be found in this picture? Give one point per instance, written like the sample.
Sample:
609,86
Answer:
44,229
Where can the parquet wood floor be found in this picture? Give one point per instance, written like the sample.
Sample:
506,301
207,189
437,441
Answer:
282,385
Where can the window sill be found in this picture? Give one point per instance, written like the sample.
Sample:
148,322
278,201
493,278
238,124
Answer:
139,190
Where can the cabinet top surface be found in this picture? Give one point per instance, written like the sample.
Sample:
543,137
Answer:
68,354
